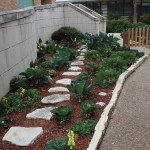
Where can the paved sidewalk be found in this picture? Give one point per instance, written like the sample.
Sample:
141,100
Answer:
129,128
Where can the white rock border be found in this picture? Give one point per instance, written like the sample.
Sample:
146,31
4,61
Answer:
105,116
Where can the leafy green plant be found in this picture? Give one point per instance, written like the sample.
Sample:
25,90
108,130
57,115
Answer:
22,98
105,77
3,104
80,88
129,57
117,63
46,64
105,52
60,62
145,19
69,52
71,142
62,112
5,122
113,15
89,107
40,50
83,76
58,144
66,34
52,73
92,55
92,67
36,76
84,128
16,83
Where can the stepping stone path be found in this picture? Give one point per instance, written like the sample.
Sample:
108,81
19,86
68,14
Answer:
58,89
43,113
102,94
71,73
22,136
101,104
80,58
55,98
77,63
75,68
64,81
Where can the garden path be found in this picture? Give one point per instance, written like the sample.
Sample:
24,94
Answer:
129,127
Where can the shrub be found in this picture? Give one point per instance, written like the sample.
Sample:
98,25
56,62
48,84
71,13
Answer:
16,83
36,76
80,88
99,11
113,15
66,34
105,77
84,128
145,19
89,107
83,76
62,112
22,98
105,52
60,62
92,55
46,64
5,122
92,67
58,144
118,26
52,73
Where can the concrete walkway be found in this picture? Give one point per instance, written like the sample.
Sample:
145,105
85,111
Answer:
129,127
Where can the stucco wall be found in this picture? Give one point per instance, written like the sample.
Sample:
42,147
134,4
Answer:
21,29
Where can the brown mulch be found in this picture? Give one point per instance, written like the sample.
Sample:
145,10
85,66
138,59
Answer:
53,129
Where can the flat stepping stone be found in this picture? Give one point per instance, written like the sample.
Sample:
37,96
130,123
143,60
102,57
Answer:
58,89
84,50
82,54
80,58
102,94
102,104
64,81
55,98
77,63
75,68
22,136
42,113
71,73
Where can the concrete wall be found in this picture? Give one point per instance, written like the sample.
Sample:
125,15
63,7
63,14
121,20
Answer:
21,29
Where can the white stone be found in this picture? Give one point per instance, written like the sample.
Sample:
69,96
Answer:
102,94
43,113
75,68
84,50
101,104
71,73
80,58
82,54
55,98
22,136
76,63
58,89
64,81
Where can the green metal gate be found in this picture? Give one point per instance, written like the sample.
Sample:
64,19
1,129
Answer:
25,3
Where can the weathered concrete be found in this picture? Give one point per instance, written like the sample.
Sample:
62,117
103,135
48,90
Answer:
58,89
75,68
129,127
64,81
71,73
22,136
77,63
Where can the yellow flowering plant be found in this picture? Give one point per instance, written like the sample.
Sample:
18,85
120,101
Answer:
71,142
22,92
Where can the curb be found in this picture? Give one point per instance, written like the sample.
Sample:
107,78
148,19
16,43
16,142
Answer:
105,116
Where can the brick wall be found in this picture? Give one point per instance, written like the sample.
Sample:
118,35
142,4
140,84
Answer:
6,5
43,2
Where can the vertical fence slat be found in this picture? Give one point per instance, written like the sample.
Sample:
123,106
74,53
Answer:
132,37
147,33
143,37
140,37
129,37
136,34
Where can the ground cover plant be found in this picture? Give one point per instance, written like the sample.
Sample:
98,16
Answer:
68,127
